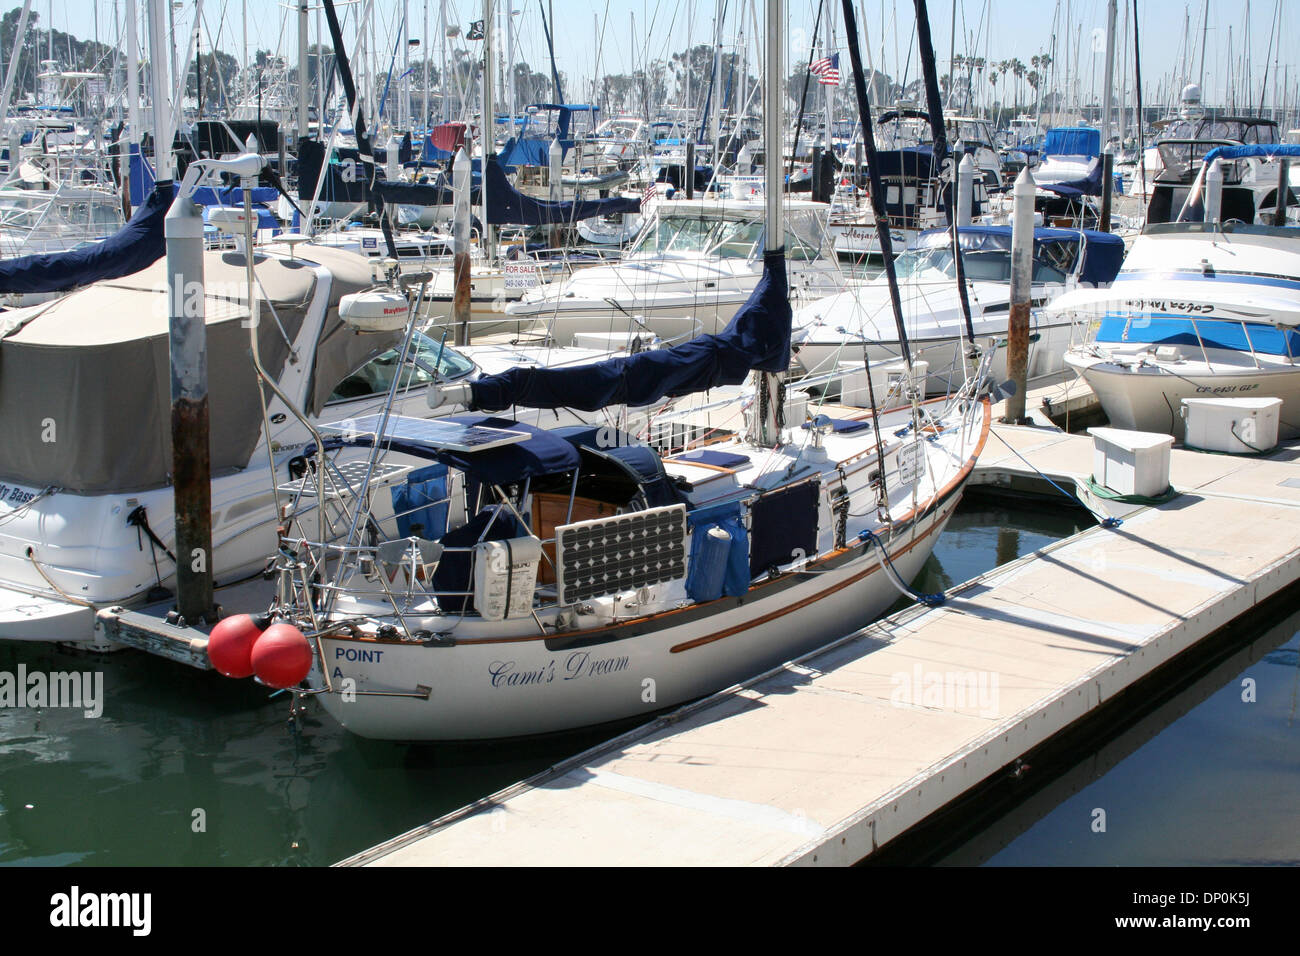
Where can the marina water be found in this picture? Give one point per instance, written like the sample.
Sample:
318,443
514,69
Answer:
184,768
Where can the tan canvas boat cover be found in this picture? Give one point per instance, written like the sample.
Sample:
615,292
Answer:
85,382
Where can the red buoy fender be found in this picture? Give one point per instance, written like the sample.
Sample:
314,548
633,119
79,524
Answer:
281,656
230,645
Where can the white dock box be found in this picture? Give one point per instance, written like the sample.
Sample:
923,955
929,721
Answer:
1131,463
1232,425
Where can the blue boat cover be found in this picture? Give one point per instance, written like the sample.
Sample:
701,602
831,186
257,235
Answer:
528,151
420,505
506,205
840,426
233,196
141,179
1087,185
1257,151
418,194
1073,141
757,337
137,245
718,459
544,453
454,572
312,165
638,461
728,517
1103,252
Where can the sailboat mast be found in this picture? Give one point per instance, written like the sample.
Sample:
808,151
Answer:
1108,92
1123,80
164,169
769,410
827,87
304,83
444,78
489,131
1205,22
773,123
946,165
716,90
12,72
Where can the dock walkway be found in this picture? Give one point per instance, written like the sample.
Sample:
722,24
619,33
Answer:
827,759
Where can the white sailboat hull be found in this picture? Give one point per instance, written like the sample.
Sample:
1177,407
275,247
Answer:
526,684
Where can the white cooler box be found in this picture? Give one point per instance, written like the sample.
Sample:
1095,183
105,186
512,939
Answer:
1232,425
1131,463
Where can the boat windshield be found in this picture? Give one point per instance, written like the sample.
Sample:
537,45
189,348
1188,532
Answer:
1181,159
984,265
1233,130
376,376
726,238
805,237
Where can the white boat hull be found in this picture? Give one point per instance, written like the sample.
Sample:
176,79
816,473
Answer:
537,685
946,355
1149,397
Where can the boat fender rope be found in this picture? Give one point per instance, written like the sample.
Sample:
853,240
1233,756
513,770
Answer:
31,556
932,599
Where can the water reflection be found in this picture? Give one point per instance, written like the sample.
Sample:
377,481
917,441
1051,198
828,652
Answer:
1207,778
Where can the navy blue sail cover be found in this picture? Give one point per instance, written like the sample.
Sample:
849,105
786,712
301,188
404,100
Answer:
757,337
506,205
137,245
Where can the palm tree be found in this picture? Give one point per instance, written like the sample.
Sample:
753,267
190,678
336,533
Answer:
1018,70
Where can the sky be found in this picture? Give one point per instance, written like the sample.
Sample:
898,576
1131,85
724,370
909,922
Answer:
594,37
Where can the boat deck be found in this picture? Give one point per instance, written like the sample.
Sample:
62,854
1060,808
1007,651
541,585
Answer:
827,759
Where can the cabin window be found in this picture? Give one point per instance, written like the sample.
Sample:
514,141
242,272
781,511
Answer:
1057,258
376,376
736,240
986,266
805,235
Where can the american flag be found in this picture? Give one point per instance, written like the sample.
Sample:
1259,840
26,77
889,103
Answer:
649,193
827,70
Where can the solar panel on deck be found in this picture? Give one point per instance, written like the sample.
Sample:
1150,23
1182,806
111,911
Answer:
452,436
622,553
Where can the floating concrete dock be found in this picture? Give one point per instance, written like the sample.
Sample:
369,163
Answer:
829,758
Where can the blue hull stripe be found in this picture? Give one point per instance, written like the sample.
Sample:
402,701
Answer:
1215,333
